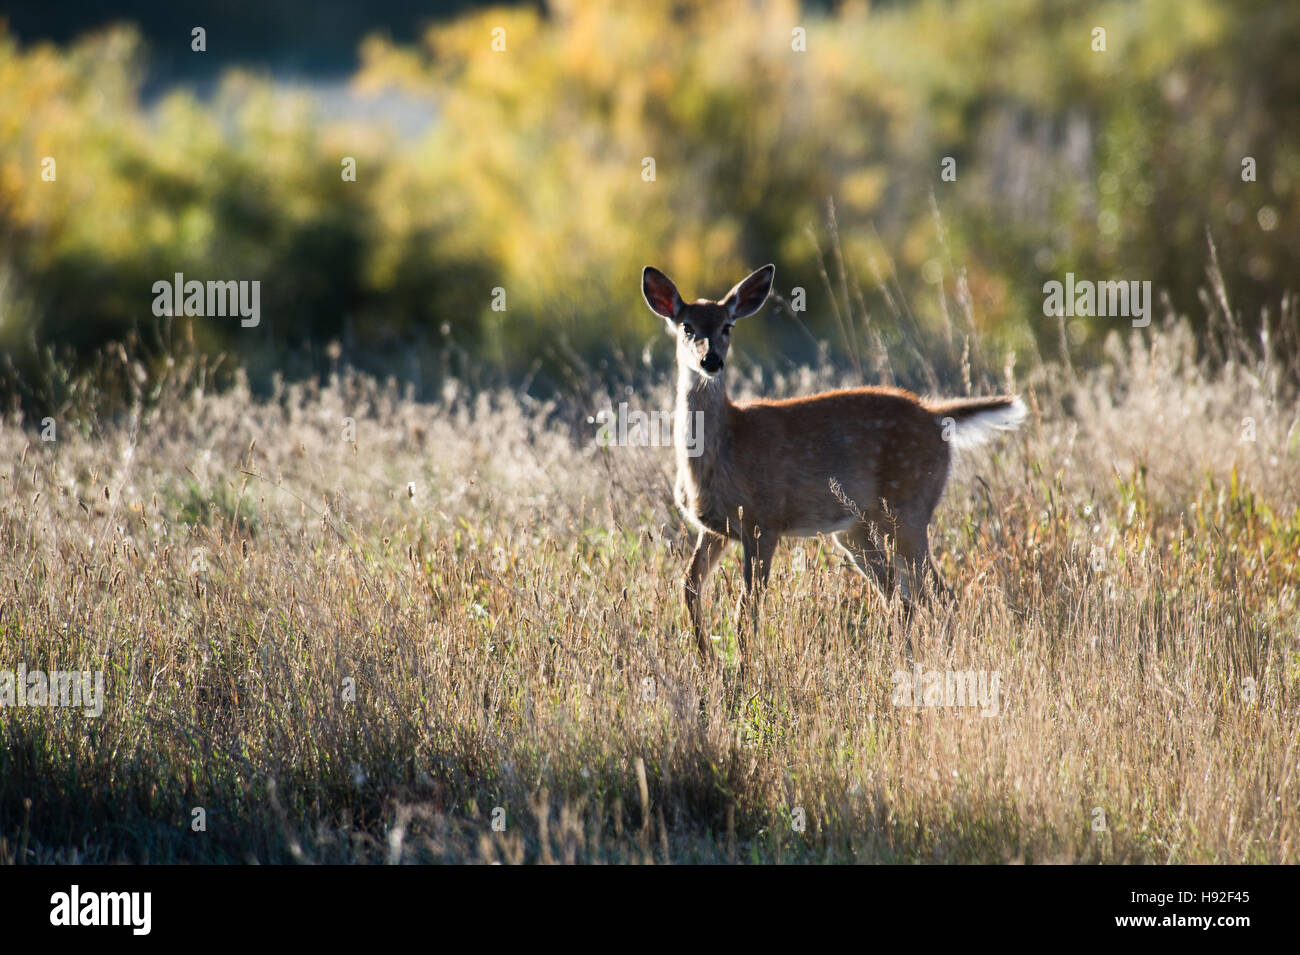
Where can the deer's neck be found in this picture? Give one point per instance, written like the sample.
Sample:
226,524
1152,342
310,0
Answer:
701,420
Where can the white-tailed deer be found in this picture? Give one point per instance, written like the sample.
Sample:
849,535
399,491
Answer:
867,465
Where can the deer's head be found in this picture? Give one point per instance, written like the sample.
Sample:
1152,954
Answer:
703,328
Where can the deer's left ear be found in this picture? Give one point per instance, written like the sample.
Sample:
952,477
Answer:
750,293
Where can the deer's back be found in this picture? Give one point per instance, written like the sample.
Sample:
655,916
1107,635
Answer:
876,443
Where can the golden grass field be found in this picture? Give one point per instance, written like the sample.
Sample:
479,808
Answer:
505,597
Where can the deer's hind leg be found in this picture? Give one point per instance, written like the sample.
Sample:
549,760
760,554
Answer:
923,577
708,548
870,552
759,550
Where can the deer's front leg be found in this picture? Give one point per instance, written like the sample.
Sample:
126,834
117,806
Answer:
759,550
708,548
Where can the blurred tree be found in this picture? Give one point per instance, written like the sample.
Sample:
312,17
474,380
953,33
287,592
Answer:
575,144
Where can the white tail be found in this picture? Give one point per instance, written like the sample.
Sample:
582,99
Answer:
983,425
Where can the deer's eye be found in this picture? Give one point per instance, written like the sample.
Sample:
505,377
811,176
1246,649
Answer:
688,331
726,330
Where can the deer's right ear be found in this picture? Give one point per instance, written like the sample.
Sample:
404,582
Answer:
660,293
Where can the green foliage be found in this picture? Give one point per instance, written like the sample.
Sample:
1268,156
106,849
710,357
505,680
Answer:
191,505
1113,164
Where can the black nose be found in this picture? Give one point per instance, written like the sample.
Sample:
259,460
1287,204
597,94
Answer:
711,362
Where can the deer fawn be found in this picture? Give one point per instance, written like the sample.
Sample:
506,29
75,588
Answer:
867,465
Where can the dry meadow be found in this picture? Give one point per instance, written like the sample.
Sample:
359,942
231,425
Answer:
349,626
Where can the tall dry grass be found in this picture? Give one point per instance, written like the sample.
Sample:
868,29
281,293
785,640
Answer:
505,596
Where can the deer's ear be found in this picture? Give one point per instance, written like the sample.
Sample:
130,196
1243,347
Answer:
750,293
660,293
